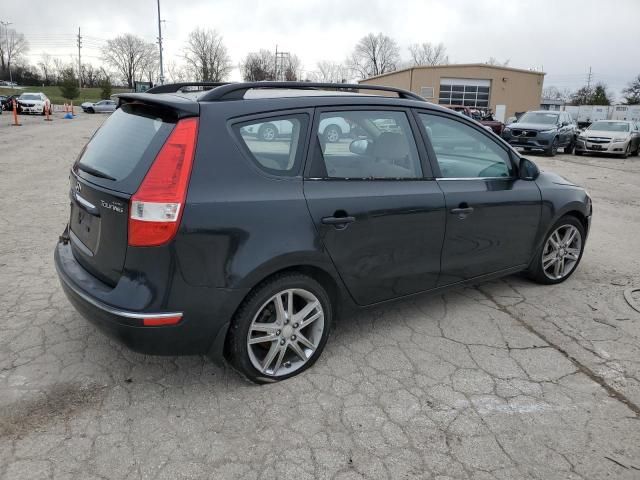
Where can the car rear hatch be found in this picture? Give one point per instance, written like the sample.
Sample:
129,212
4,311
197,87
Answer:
109,171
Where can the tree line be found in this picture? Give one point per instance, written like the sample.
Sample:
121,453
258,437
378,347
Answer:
205,57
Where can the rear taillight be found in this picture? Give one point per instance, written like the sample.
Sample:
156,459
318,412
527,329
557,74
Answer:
156,208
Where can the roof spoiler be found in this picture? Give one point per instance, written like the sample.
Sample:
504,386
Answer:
183,107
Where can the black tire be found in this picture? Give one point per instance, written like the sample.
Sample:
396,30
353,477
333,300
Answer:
268,132
90,110
578,153
536,271
237,350
570,148
637,150
527,149
553,148
627,151
332,134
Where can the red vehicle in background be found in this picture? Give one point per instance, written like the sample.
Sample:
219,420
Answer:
485,117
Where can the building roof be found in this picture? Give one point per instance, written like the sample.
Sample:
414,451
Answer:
453,65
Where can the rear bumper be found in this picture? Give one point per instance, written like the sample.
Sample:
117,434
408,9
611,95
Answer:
203,325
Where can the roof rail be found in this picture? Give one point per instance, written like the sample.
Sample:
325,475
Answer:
175,87
236,91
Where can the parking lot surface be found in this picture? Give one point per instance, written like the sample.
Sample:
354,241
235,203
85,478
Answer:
506,380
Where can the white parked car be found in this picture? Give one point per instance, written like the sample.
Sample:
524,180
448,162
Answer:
33,102
333,129
620,137
103,106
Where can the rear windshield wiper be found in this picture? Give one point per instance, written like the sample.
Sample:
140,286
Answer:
94,172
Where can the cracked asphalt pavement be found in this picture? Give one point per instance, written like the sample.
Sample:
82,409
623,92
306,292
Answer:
506,380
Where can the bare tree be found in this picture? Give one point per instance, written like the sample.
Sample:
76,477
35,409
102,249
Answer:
177,73
374,55
47,67
428,54
330,72
291,68
554,93
12,46
128,54
150,67
258,66
206,56
498,63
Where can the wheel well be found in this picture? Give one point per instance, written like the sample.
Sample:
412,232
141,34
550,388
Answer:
580,216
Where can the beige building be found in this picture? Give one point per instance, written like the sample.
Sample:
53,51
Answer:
503,89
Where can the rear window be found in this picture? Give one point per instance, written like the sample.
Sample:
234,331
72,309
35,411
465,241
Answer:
122,150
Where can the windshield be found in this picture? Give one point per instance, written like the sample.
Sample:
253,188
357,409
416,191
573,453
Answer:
539,117
29,96
610,126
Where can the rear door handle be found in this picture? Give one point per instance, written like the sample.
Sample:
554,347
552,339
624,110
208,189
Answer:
338,222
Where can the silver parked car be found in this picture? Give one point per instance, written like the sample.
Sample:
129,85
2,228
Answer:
619,137
103,106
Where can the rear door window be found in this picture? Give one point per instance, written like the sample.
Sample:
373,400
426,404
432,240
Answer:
371,145
122,150
274,143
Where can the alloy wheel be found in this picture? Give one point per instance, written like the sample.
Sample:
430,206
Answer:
561,252
333,135
285,332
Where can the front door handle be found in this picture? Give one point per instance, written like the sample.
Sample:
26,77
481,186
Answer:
462,212
338,222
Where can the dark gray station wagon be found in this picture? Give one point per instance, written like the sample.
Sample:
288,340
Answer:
240,219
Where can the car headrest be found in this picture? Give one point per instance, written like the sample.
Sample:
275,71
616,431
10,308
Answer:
390,145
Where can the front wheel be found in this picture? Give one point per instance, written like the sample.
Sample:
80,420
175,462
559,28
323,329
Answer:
570,148
553,149
332,133
627,151
268,132
560,253
281,328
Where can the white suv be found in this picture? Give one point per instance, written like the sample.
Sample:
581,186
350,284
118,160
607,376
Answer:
33,102
332,129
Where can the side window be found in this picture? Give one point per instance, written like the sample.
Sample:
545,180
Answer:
365,144
464,152
274,143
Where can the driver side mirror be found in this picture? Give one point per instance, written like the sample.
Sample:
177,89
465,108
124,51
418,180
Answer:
527,170
359,147
564,124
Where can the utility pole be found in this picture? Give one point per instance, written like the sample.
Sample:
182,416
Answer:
275,72
282,58
6,36
79,60
589,80
161,79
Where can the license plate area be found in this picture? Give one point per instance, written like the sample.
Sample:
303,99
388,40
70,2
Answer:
86,227
595,147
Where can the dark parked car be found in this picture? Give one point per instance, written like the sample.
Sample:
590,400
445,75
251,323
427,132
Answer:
7,103
544,130
188,234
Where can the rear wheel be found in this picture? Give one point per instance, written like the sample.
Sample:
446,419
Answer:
281,328
560,253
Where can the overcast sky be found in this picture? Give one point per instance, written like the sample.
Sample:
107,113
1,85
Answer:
563,37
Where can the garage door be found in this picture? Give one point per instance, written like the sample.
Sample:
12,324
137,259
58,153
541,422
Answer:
464,91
